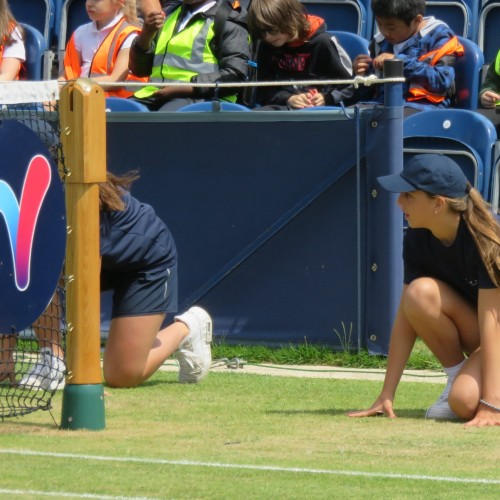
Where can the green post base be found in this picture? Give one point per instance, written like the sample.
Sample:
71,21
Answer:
83,407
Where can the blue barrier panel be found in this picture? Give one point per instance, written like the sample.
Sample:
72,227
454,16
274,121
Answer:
272,213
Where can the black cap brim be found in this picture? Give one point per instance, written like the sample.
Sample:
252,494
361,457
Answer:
395,184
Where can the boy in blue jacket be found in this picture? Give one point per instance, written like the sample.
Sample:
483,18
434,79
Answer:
427,47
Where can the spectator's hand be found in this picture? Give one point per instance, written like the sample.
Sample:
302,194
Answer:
485,418
166,93
489,98
299,101
153,21
316,98
378,62
360,64
382,406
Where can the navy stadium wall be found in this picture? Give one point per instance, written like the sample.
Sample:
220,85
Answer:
281,232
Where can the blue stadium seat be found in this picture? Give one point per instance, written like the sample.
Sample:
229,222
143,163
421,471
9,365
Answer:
352,43
73,14
460,15
58,5
466,136
370,19
122,105
488,37
40,14
35,45
345,15
37,13
468,69
209,106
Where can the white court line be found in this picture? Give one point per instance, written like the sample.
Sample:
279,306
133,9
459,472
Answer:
268,468
53,494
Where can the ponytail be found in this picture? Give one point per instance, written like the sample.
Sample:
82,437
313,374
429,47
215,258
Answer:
111,191
484,229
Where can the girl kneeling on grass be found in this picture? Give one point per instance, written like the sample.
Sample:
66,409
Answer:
139,264
451,293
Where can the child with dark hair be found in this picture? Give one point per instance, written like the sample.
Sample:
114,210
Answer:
295,46
427,47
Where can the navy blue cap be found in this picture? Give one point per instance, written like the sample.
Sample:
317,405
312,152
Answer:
429,172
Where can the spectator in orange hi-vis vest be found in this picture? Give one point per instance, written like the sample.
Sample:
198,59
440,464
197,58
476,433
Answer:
12,50
100,49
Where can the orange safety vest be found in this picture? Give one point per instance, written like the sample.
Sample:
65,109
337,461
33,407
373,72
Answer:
2,47
104,58
451,48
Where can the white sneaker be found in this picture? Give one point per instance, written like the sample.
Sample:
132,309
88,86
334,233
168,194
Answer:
194,353
441,410
47,374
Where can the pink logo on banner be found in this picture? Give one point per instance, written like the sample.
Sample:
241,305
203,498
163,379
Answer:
21,217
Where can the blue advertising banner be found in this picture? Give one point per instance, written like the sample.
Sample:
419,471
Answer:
32,227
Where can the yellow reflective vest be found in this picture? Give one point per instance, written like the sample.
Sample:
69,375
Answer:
182,55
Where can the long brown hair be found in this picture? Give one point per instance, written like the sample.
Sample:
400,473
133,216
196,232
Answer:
287,16
483,227
111,192
130,12
7,20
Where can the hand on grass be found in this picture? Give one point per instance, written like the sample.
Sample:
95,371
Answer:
381,407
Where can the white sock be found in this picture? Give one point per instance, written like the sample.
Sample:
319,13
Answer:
452,371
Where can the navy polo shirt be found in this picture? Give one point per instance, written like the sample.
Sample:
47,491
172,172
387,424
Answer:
135,239
458,265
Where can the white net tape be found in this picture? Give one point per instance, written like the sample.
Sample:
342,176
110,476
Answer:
28,92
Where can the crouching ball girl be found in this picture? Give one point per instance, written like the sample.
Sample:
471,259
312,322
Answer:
139,264
451,292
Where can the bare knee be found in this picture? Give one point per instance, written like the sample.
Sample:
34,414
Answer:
420,295
121,378
464,397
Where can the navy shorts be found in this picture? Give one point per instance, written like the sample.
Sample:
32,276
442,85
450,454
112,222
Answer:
153,291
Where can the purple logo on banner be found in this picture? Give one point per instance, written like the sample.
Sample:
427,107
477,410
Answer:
32,227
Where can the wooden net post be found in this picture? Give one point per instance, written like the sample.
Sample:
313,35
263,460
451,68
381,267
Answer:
83,136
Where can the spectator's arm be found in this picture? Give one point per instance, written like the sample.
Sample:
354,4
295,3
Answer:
233,56
140,61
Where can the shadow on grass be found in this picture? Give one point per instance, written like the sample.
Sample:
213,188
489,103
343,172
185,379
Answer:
155,382
417,414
